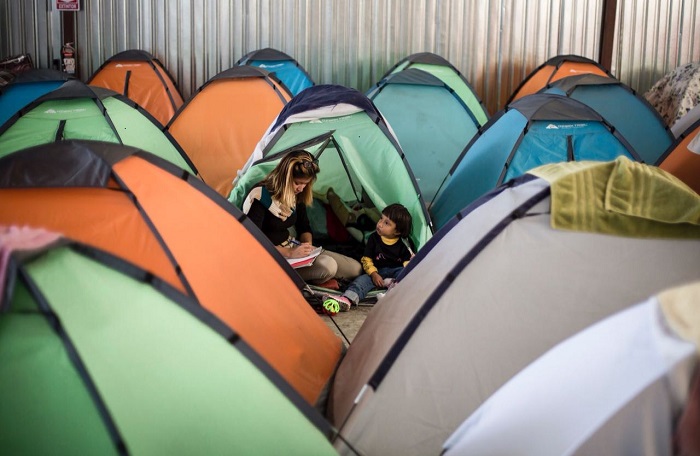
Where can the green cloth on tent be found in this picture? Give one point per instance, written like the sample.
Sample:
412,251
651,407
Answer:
621,197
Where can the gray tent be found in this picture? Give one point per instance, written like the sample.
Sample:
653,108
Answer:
504,281
633,378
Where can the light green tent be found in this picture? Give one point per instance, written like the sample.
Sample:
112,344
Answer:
99,357
78,111
359,156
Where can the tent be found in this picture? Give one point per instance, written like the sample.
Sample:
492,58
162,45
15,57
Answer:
556,68
682,158
27,87
532,131
77,111
537,261
447,73
99,357
141,77
431,122
220,125
676,93
622,108
294,77
354,146
633,374
147,211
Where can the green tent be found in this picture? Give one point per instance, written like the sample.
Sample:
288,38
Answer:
78,111
358,154
99,357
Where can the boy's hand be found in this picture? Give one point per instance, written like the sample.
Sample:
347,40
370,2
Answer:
377,280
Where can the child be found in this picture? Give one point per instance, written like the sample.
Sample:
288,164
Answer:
384,257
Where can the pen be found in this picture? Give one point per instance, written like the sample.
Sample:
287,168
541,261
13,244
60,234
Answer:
294,242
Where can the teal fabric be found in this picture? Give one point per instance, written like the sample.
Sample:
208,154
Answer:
286,71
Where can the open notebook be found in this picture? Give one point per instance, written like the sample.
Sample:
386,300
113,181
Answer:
308,260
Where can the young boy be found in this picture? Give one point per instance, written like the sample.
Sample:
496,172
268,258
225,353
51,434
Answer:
384,257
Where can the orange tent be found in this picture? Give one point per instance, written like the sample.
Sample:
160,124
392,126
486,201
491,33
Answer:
145,210
141,77
220,126
556,68
682,159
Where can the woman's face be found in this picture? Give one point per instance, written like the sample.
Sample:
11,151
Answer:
300,184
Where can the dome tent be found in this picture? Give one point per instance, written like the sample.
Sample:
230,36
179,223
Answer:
293,76
138,75
78,111
145,210
634,374
532,131
447,73
682,158
355,148
107,359
626,111
27,87
220,125
431,122
508,278
555,68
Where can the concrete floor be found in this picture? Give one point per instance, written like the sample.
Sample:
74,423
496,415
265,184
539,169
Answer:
349,322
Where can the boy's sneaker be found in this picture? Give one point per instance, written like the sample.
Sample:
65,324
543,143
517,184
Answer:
334,304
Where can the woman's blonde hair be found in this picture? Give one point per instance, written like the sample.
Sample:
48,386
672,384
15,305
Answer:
297,164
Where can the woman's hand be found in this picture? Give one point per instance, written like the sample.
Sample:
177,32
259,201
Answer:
301,250
377,280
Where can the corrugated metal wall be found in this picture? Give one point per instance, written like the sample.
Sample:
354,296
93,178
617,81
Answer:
495,43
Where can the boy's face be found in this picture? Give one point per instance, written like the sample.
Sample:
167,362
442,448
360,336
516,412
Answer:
387,228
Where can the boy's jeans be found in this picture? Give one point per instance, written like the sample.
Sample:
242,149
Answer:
362,285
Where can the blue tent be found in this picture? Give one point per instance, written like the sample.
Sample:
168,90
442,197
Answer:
623,108
289,71
431,122
532,131
27,87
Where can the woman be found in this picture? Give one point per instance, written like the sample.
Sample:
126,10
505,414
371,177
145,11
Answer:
279,202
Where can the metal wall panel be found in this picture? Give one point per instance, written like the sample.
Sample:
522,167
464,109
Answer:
494,43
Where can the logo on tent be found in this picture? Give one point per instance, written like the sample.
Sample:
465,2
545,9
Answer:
122,65
63,111
262,65
552,127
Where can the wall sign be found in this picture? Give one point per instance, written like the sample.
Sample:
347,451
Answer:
68,5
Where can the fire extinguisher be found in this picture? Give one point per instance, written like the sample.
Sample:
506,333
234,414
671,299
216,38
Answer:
69,58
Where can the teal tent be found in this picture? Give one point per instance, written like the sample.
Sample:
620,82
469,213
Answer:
447,73
293,76
430,120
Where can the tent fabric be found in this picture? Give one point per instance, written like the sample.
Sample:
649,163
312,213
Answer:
77,111
487,295
106,359
27,87
555,68
431,122
293,76
220,125
629,199
676,93
682,158
633,376
142,78
358,154
447,73
535,130
134,205
638,122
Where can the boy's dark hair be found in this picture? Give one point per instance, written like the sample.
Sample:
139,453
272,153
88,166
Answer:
401,217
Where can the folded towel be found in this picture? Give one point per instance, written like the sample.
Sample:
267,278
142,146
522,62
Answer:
621,197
